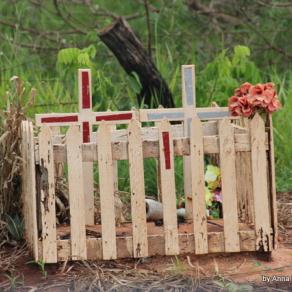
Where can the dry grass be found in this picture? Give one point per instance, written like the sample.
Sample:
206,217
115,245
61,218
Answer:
284,204
10,153
9,257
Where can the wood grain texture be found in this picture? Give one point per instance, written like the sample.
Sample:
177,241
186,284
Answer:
151,148
198,188
244,187
48,209
107,191
228,176
29,187
189,104
168,192
138,210
115,167
157,245
260,185
272,179
76,194
85,109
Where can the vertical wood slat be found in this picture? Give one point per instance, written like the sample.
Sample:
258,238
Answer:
85,108
158,178
244,187
168,188
115,168
107,190
136,170
272,178
228,175
88,192
198,187
76,194
260,186
48,209
29,188
189,104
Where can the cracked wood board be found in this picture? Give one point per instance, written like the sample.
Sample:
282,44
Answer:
136,171
47,188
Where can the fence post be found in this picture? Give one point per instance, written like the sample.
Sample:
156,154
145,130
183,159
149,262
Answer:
29,187
107,191
168,188
260,186
136,170
198,187
76,194
228,176
47,188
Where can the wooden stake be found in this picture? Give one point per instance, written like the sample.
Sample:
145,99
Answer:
228,176
76,194
107,192
260,186
198,187
136,165
189,104
168,188
48,209
29,188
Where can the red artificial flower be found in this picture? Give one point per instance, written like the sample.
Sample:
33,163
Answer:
249,98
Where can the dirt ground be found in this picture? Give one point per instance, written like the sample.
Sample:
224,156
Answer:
220,272
232,272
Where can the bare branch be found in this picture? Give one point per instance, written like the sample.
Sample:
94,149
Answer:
149,42
275,4
198,7
31,46
66,18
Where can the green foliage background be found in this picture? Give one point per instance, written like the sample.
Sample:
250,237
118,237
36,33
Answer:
45,49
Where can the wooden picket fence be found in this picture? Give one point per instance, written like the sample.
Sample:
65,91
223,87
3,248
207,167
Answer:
248,187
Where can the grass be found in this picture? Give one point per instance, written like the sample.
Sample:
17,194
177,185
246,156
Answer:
283,137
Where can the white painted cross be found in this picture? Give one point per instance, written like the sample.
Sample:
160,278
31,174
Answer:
185,114
86,118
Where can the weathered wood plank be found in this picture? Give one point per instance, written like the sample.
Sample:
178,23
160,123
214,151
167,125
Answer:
76,194
85,110
157,245
107,192
189,104
260,185
244,187
48,209
198,187
29,187
272,179
168,188
151,148
138,210
228,175
115,166
88,192
177,114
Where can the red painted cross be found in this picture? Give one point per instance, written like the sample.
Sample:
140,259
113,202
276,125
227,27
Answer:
86,117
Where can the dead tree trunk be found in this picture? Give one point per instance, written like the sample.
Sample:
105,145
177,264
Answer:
121,40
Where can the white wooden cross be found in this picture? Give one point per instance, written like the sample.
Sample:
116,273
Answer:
86,118
185,114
